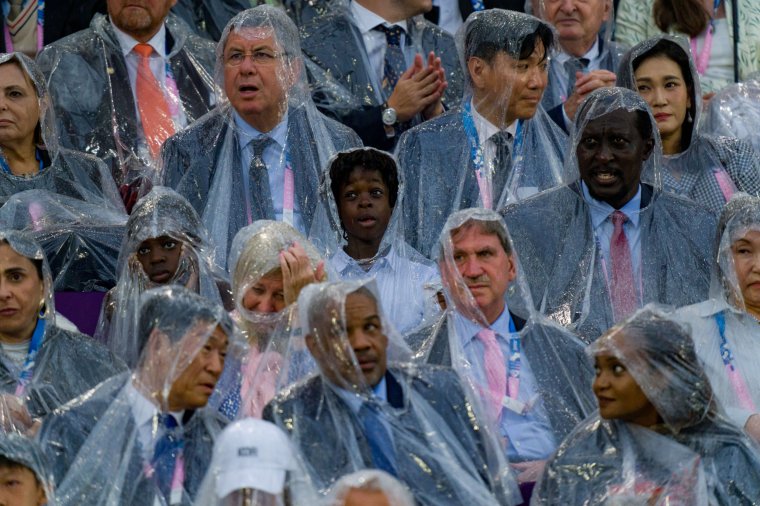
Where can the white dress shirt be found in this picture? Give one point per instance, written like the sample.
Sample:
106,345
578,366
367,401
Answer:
449,19
145,414
594,56
486,130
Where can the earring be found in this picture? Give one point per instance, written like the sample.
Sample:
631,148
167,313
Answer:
43,310
688,117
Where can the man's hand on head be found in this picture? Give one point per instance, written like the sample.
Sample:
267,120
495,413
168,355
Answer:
585,84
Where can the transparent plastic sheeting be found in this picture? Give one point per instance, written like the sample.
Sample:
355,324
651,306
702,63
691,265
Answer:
725,326
57,376
81,239
407,281
328,387
27,453
499,145
707,169
563,256
111,445
95,107
66,172
734,111
216,163
165,216
209,17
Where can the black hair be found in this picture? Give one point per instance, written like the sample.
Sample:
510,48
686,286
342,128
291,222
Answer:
368,159
672,51
487,36
37,262
6,463
610,100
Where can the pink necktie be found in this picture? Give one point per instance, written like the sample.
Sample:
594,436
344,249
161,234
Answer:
155,117
623,288
496,371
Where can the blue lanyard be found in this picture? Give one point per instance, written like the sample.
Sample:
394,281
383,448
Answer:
477,5
716,4
513,362
31,357
476,152
725,351
7,169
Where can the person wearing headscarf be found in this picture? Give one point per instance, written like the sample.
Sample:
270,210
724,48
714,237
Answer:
30,154
122,86
165,244
362,194
42,366
369,486
146,437
380,67
656,406
500,145
364,405
25,479
611,241
259,154
525,369
704,168
725,326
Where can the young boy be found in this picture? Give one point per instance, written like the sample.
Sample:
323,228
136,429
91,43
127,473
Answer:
23,475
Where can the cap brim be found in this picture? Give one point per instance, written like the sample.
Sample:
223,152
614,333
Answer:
271,481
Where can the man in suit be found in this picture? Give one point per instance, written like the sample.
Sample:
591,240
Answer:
450,14
611,241
128,82
412,421
379,67
499,145
260,154
532,375
148,434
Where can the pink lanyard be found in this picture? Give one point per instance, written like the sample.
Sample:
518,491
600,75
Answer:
702,59
736,380
40,26
288,195
485,189
727,186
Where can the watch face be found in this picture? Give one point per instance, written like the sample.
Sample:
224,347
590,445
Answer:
389,116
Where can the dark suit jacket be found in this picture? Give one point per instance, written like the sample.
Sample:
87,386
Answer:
309,410
333,44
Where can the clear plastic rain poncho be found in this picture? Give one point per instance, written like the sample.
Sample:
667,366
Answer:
604,456
255,255
146,437
162,214
463,158
344,80
367,182
708,169
734,111
59,364
27,453
303,11
724,330
95,106
62,171
80,239
209,17
564,235
232,173
370,481
545,392
346,411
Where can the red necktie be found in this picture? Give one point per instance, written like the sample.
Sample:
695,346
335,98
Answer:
496,371
155,117
623,288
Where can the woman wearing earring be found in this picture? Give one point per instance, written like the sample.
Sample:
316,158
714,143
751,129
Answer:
703,168
42,366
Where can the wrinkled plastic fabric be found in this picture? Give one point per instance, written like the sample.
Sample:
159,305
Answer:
81,239
204,162
406,280
209,17
729,356
98,452
370,480
57,376
563,260
94,106
560,397
661,358
160,213
303,11
443,453
734,111
343,82
26,452
711,168
440,160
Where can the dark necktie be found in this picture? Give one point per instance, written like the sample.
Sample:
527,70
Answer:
168,448
623,287
572,66
502,162
378,438
394,64
259,193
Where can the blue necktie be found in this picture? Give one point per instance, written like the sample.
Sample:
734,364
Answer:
394,64
378,438
167,448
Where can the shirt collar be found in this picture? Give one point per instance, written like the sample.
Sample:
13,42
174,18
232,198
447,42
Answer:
366,20
485,128
128,43
341,261
467,330
247,133
600,211
355,400
592,54
143,410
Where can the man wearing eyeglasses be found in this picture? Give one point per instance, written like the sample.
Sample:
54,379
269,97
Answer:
259,154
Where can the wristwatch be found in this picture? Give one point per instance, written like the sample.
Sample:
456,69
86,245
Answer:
389,115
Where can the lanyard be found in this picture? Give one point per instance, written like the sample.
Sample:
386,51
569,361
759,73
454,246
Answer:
288,194
514,362
172,92
702,59
40,26
736,380
7,169
31,357
727,186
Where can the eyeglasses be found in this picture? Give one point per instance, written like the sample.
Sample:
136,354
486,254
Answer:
236,58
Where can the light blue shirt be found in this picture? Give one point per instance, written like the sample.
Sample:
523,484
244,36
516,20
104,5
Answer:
407,288
355,401
601,220
529,435
274,157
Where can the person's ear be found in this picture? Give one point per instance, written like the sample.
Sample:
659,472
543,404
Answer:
477,68
41,497
607,10
511,268
648,149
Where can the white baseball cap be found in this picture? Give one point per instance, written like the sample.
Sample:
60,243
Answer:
252,454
